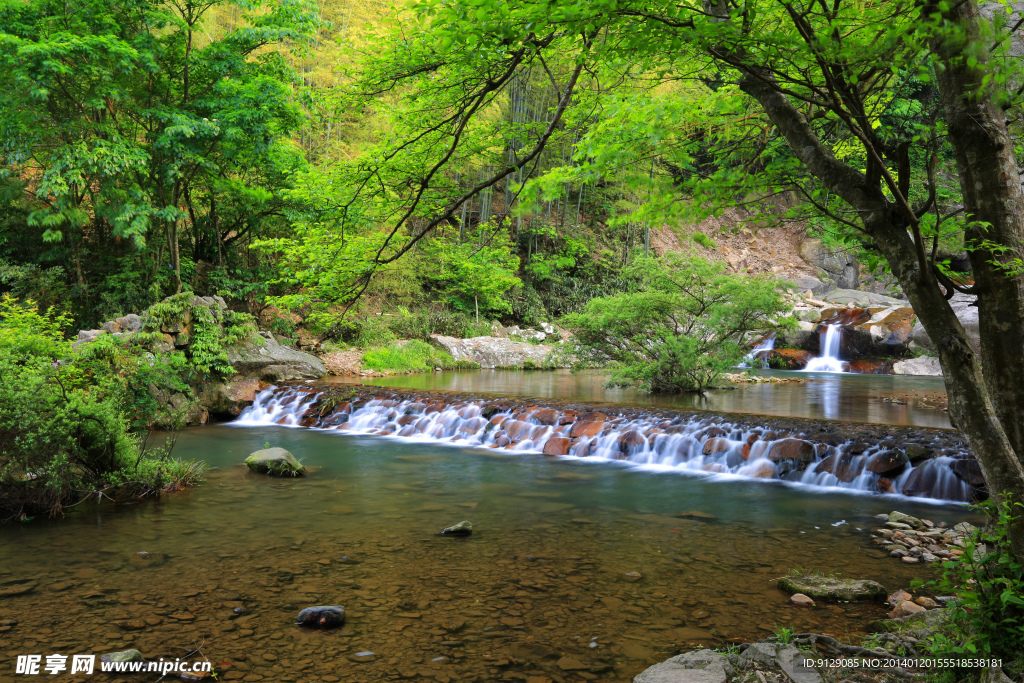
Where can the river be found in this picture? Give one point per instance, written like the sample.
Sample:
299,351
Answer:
539,590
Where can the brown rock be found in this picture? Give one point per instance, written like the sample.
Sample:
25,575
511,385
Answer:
571,664
789,359
898,597
546,416
557,445
905,608
927,603
791,449
630,439
586,429
887,461
715,445
801,600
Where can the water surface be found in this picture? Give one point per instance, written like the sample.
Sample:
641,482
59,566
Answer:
542,578
879,399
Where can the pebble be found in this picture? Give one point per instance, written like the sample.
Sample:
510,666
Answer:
910,560
633,576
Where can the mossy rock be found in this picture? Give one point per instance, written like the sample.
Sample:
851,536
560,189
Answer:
276,462
833,588
919,625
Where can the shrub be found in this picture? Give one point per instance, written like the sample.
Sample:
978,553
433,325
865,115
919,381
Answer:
411,356
988,614
681,328
65,428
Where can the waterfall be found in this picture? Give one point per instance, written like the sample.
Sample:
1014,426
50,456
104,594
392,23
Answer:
695,443
828,361
767,344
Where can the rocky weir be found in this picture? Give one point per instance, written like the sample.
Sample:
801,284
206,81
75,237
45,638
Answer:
916,462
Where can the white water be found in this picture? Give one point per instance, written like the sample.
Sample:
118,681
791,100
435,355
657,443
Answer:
759,351
829,360
686,444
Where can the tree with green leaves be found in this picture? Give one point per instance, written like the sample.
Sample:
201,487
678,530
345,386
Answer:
130,132
888,121
685,323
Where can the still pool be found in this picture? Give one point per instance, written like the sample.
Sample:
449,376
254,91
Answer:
539,589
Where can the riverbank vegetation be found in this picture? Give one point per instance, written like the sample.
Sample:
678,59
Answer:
73,424
681,324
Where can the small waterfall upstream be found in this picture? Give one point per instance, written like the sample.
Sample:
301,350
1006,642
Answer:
828,361
687,442
760,351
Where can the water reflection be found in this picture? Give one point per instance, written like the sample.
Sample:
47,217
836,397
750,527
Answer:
846,397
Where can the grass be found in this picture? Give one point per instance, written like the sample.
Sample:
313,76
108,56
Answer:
411,356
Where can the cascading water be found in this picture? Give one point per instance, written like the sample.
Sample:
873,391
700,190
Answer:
760,351
829,360
693,443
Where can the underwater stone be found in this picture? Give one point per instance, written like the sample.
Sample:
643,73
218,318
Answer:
463,528
322,616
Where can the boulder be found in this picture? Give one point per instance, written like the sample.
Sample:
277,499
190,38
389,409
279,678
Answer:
784,656
924,365
919,625
699,666
272,362
494,352
230,398
323,616
905,609
857,299
965,310
814,285
832,263
276,462
832,588
788,359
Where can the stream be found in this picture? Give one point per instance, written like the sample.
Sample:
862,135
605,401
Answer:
539,590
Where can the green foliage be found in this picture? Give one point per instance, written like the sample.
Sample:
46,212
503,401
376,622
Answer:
411,356
989,586
65,420
680,328
474,275
783,634
703,240
144,144
208,329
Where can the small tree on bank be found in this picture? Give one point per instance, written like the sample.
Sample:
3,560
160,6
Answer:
683,326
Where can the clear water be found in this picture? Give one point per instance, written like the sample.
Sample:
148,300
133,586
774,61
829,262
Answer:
541,578
848,397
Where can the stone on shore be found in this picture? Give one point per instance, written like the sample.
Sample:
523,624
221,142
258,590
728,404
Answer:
494,352
276,462
832,588
699,666
322,616
924,365
272,362
905,609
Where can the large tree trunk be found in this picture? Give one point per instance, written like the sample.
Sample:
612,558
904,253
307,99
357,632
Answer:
971,409
993,199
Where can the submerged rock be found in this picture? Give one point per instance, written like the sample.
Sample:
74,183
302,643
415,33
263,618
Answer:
122,656
463,528
832,588
323,616
276,462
